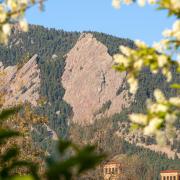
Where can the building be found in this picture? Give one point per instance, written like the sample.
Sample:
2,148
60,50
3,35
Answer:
114,168
122,167
170,175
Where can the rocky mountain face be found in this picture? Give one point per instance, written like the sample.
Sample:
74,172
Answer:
20,83
90,83
74,73
94,90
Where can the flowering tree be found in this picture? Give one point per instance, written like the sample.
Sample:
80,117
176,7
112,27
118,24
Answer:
161,114
13,11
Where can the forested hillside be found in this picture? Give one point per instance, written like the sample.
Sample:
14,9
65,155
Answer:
52,46
103,134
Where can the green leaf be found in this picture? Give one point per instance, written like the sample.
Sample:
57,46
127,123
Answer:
32,167
89,158
27,177
6,113
61,169
11,153
84,159
63,145
119,68
134,127
7,134
175,86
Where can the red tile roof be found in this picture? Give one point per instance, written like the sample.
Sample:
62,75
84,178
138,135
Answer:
170,171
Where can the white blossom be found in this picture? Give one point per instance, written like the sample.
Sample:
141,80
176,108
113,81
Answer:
141,3
161,113
162,60
24,25
154,124
159,96
178,58
6,29
133,83
167,73
167,33
138,64
175,4
155,108
118,58
116,4
140,44
170,118
139,119
125,50
175,101
176,26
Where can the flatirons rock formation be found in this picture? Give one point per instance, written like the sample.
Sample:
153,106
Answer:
20,84
90,82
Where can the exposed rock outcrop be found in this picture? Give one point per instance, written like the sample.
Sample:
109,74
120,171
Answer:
20,84
90,82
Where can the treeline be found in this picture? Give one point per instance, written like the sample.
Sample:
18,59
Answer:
102,133
51,46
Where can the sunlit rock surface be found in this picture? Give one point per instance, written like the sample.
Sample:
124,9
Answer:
90,81
20,83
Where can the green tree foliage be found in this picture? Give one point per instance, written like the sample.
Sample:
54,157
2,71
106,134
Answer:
102,133
46,43
9,160
68,167
49,42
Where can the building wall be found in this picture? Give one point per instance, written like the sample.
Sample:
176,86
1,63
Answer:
112,171
170,176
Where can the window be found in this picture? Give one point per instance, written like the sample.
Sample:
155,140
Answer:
116,170
109,170
112,170
171,178
106,170
167,177
164,178
174,177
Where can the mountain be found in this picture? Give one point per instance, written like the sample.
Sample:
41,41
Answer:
20,84
84,98
90,83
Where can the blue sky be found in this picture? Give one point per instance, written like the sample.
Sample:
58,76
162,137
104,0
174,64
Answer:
130,22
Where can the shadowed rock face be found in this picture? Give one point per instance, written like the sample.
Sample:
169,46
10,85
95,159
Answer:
20,85
90,81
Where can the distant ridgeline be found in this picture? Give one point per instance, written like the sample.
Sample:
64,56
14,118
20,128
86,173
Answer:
52,46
